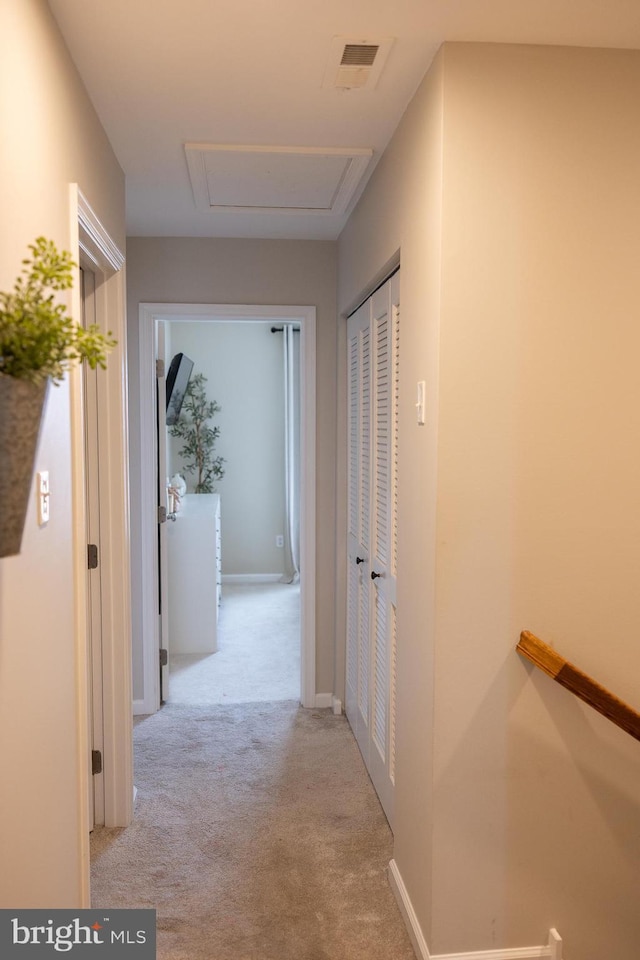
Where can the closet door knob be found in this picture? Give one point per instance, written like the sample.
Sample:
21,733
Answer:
359,559
374,575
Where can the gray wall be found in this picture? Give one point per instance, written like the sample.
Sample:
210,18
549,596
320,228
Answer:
510,188
244,366
287,272
51,137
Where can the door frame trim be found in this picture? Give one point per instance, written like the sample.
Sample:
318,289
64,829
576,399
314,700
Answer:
90,239
149,313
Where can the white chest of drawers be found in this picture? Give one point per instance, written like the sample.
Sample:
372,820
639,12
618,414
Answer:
195,574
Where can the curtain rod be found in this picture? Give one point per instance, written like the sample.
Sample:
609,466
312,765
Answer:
280,329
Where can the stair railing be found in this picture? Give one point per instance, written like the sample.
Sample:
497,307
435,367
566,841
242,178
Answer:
580,684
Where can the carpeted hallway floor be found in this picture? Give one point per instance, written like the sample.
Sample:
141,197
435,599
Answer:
257,836
258,656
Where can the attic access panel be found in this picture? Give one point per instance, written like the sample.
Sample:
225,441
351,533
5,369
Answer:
275,179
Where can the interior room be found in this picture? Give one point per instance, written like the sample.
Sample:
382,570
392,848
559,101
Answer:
255,652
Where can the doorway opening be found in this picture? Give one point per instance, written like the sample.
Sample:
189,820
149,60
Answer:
151,318
233,537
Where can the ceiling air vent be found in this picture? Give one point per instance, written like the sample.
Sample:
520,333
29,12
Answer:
356,64
359,54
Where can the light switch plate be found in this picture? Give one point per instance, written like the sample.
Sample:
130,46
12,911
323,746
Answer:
420,402
43,493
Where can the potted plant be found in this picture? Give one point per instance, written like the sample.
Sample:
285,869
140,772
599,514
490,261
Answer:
199,438
39,341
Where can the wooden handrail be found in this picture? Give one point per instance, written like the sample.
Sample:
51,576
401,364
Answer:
579,683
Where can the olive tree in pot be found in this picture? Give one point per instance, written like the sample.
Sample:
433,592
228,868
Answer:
39,341
199,439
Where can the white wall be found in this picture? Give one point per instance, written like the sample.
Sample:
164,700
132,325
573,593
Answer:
287,272
244,366
51,137
510,188
401,210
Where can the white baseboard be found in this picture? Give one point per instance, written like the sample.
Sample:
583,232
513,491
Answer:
251,578
553,951
323,700
408,913
140,708
327,700
517,953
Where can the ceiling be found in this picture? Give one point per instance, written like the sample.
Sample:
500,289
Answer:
163,74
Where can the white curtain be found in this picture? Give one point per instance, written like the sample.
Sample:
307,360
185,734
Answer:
291,340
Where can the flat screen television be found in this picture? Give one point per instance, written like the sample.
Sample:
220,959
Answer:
177,382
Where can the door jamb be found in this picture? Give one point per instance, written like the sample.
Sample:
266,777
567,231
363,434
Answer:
149,313
90,239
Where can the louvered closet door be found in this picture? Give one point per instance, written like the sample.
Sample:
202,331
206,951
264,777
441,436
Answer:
359,506
373,561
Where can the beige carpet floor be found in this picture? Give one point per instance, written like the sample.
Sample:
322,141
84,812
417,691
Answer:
257,836
258,656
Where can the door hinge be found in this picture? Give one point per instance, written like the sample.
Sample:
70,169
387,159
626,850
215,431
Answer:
159,368
162,514
92,556
164,657
96,762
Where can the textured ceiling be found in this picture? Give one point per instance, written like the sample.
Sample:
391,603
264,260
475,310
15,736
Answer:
161,74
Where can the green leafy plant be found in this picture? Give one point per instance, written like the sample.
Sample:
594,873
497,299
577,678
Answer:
38,339
199,438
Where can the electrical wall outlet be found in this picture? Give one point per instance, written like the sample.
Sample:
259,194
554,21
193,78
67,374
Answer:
279,540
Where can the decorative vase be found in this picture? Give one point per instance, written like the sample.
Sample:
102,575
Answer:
21,406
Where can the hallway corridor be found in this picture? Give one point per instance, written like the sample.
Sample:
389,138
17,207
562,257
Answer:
257,836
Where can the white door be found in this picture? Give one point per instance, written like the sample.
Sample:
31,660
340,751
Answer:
359,505
94,584
373,365
163,579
